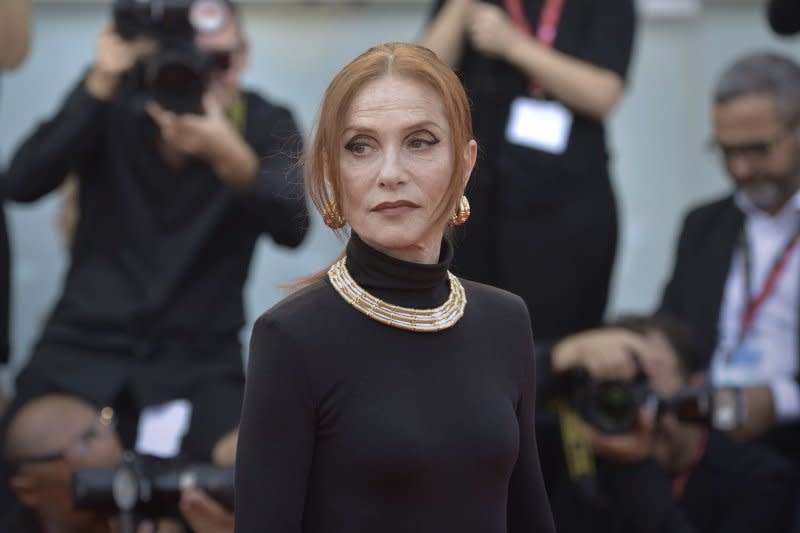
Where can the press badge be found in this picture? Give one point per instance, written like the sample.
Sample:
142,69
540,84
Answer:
741,367
745,356
539,124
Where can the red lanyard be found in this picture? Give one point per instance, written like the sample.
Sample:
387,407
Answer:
679,481
547,29
756,301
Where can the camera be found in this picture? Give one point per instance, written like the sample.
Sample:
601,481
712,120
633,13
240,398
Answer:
613,406
149,486
177,75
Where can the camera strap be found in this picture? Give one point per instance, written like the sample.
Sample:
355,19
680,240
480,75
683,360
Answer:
754,302
237,113
577,448
547,27
680,480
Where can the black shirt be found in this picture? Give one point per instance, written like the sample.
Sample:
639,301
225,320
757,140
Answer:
599,32
160,256
735,488
351,425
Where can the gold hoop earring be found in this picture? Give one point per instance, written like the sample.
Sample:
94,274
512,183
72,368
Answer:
332,217
462,212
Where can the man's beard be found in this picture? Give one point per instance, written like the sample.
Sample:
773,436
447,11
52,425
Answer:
766,194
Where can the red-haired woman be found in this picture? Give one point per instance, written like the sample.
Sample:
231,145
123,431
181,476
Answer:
388,395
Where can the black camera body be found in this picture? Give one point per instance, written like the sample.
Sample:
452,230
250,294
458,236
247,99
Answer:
148,486
613,406
177,75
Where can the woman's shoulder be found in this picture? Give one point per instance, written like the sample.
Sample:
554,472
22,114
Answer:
495,301
300,309
492,294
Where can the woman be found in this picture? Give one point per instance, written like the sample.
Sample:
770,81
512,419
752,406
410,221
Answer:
543,76
389,395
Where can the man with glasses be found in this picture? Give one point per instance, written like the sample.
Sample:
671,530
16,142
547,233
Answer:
171,204
736,278
48,439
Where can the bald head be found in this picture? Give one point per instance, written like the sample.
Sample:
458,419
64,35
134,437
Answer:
46,424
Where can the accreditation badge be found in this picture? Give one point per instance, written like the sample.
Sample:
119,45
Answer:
539,124
741,367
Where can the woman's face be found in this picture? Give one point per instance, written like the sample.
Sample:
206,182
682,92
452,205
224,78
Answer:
396,165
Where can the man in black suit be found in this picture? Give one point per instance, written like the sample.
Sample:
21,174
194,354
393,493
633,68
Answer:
736,278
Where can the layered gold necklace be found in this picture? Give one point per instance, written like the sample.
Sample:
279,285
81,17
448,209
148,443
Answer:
408,318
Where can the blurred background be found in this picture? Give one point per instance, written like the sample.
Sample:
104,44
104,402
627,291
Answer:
658,135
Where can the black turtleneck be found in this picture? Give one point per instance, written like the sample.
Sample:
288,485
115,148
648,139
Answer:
350,425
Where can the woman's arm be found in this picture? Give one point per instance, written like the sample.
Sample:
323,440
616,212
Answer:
528,504
15,32
445,35
591,85
276,435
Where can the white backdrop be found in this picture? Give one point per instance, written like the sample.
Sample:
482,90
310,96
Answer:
658,134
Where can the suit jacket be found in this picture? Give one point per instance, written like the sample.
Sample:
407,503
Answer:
696,288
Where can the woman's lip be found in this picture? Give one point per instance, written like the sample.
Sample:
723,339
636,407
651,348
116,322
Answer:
394,205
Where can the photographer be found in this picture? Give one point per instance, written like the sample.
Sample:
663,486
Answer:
48,440
666,474
176,184
15,41
737,261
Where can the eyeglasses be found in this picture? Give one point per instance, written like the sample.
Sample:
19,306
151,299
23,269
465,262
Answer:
756,151
78,446
221,60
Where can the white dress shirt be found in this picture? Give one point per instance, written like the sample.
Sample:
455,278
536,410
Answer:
772,338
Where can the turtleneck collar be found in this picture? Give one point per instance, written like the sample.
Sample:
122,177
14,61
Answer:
396,281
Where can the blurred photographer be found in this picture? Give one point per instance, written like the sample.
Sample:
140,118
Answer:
15,41
737,263
665,473
48,439
180,171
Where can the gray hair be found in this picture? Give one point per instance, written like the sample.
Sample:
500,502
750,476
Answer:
763,73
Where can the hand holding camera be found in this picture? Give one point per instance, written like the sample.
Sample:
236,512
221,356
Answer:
193,134
606,354
115,57
631,447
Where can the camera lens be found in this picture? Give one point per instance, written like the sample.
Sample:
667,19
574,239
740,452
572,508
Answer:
616,407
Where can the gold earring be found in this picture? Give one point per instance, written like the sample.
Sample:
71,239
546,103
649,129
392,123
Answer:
332,217
462,212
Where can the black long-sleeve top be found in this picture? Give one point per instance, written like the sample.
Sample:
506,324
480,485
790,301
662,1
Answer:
160,256
351,425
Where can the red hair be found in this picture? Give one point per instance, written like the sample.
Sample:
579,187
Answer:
391,59
402,60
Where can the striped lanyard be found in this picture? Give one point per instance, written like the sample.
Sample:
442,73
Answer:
755,302
546,31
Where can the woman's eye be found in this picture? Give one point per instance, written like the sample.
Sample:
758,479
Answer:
421,142
357,148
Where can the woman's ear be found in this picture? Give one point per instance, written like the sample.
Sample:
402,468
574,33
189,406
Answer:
470,156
